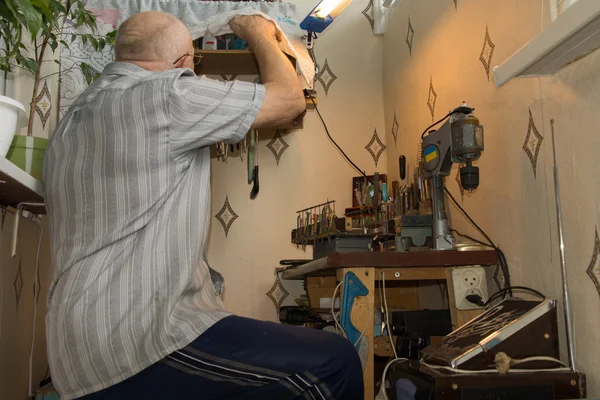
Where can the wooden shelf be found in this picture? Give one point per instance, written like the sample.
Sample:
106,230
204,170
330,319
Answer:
327,266
17,186
230,62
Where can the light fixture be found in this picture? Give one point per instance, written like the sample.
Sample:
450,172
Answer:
323,15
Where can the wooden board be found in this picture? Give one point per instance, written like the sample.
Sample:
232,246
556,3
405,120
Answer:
363,315
392,259
229,62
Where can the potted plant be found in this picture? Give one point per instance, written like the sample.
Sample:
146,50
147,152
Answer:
44,21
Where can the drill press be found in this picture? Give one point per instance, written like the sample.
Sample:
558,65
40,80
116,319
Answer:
459,140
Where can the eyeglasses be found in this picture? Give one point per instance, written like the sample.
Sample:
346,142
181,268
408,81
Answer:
197,58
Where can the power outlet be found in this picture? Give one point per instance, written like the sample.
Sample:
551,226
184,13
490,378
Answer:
466,281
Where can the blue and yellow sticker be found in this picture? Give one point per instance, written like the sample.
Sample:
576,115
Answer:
430,153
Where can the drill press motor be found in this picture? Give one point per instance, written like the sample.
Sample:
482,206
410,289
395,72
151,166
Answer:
459,140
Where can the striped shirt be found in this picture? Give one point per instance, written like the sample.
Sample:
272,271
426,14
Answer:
127,189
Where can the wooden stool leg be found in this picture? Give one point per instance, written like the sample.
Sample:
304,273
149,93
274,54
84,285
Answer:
363,316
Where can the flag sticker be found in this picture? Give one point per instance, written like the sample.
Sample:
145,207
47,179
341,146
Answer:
430,153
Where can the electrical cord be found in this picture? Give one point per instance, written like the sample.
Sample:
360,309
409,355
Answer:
438,122
36,290
337,324
521,288
493,371
499,253
387,316
312,99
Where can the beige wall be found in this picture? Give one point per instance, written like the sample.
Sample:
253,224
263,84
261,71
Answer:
514,206
310,171
16,320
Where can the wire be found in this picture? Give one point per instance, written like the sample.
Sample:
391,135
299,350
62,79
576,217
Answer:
306,92
472,238
499,253
387,316
437,122
36,290
337,324
491,371
382,392
522,288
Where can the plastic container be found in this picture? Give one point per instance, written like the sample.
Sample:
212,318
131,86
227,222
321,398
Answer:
27,153
9,116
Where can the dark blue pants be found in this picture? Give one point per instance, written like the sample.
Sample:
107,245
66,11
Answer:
241,358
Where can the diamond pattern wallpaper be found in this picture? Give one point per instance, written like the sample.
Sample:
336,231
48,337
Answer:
593,269
533,143
368,13
486,53
277,293
43,104
277,145
326,77
410,35
375,147
395,127
226,216
431,99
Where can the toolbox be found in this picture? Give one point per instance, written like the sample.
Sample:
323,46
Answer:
342,243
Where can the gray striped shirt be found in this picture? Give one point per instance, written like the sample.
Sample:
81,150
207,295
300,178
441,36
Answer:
127,189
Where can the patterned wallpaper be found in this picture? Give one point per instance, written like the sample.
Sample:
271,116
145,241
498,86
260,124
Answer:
439,53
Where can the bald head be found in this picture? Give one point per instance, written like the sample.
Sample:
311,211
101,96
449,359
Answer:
153,40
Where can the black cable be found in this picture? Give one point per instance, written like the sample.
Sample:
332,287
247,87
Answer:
437,122
472,238
521,288
332,140
499,253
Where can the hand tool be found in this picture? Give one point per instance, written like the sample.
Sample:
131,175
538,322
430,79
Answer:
353,287
243,148
250,150
402,164
255,187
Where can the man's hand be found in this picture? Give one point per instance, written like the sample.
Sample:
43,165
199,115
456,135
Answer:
249,27
284,99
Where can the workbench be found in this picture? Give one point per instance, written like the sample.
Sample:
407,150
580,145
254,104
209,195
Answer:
370,267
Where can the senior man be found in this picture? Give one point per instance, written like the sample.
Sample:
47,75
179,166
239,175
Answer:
132,311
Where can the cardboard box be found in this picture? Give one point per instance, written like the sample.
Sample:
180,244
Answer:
320,292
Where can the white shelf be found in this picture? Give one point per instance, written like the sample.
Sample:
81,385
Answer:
573,35
17,186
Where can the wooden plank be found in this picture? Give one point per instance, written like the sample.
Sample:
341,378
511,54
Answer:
392,259
429,258
382,347
459,318
411,274
229,62
363,315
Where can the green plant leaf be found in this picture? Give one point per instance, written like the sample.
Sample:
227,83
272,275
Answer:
53,45
84,39
101,44
29,64
33,18
6,13
64,43
73,37
94,42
